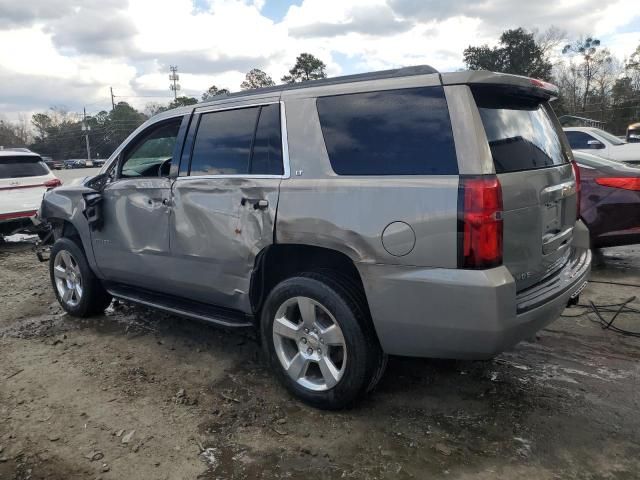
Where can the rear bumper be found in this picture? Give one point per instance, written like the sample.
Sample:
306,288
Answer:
464,314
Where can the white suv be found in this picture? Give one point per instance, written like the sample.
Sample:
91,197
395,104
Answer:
604,144
24,178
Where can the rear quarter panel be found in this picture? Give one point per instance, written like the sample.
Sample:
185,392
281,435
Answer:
349,213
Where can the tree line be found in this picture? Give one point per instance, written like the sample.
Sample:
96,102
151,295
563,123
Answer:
592,82
59,134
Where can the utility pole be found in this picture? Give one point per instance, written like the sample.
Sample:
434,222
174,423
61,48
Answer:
86,128
113,103
174,77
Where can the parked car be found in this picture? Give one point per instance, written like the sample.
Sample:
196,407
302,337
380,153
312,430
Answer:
633,133
53,164
603,144
24,178
610,200
401,212
99,162
75,163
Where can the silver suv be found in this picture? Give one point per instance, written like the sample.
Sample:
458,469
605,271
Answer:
403,212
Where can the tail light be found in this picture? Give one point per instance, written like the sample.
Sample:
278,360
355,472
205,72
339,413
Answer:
576,174
53,183
626,183
479,222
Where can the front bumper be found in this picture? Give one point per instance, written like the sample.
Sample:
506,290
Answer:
464,314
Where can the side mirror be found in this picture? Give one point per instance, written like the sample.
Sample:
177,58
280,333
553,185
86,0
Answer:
595,144
100,181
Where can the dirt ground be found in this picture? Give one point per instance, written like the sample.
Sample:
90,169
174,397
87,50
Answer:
139,395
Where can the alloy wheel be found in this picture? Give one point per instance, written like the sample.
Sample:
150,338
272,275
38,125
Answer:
309,343
68,278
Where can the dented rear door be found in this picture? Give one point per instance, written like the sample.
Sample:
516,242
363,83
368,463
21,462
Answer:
225,202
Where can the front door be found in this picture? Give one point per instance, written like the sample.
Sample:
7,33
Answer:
132,246
224,202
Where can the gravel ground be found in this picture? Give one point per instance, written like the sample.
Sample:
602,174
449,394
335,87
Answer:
137,394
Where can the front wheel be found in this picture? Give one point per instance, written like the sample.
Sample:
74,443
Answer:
319,341
77,289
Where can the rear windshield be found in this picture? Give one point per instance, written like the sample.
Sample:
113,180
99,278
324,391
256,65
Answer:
22,166
523,133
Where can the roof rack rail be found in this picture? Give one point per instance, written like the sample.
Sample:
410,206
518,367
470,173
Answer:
358,77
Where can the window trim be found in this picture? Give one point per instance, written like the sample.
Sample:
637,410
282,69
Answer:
283,135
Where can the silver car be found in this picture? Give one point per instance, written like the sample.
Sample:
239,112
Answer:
403,212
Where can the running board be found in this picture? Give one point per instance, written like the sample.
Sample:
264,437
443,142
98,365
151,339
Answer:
181,307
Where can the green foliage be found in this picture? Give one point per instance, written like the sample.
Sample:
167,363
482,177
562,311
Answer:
214,91
307,67
182,102
518,53
59,134
256,78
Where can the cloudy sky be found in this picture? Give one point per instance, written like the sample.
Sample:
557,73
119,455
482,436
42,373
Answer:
69,52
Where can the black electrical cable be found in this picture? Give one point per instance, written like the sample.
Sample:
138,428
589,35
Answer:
616,309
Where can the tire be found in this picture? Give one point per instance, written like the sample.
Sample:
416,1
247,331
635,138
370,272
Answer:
68,268
354,367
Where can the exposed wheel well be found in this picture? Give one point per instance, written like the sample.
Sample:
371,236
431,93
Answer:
279,262
64,228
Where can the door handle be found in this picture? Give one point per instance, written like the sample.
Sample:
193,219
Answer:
257,203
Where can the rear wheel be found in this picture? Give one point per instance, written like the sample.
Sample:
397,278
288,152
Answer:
317,337
77,289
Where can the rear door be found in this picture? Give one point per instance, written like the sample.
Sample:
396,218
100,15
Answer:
22,179
225,201
532,161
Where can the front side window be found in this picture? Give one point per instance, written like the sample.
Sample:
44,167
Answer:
578,140
391,132
239,141
151,155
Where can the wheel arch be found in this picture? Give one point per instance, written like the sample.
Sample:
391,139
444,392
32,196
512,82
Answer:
278,262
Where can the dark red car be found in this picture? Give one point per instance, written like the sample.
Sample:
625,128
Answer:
609,200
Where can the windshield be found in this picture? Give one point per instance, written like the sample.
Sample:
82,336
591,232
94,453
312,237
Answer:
22,166
612,139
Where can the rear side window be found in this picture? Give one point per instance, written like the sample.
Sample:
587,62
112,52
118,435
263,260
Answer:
523,133
578,140
392,132
22,166
267,146
240,141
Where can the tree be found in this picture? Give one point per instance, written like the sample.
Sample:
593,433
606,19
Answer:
517,53
256,78
9,135
182,102
307,67
214,92
592,61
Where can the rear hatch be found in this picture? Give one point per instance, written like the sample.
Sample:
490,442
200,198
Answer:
22,184
532,160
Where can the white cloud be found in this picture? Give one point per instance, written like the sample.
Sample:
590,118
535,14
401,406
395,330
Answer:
78,47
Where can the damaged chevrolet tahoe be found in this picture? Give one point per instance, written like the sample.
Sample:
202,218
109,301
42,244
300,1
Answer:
403,212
